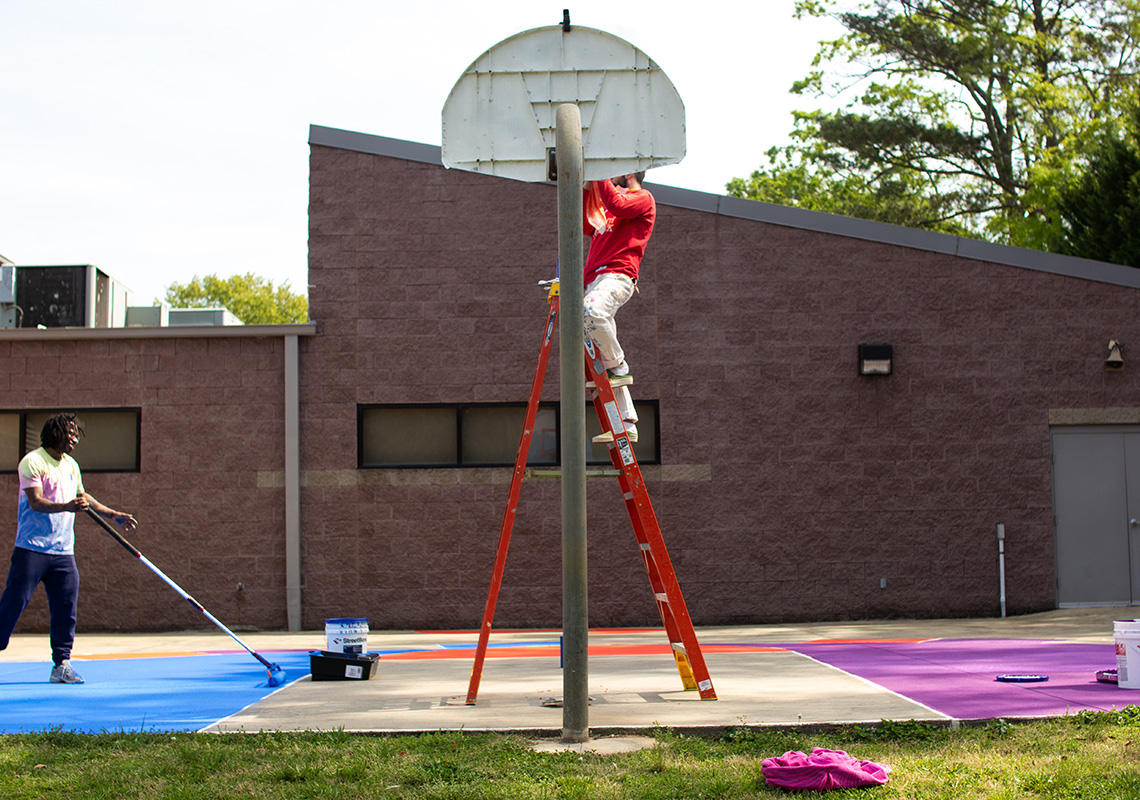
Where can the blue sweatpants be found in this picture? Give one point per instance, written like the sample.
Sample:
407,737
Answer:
60,578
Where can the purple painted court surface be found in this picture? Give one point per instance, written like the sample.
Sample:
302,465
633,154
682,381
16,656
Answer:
958,677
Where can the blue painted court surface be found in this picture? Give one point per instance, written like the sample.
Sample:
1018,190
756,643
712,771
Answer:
138,695
185,692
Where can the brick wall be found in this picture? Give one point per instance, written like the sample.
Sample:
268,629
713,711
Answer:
211,419
789,487
812,484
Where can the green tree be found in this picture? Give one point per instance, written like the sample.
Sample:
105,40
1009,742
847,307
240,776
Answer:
1100,210
251,298
981,110
901,198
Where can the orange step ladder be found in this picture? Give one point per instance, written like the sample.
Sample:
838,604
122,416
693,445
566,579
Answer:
662,579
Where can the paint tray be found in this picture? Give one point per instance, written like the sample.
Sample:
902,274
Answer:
326,665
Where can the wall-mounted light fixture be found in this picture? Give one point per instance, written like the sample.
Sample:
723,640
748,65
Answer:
875,359
1115,361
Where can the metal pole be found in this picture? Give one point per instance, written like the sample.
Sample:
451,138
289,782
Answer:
571,344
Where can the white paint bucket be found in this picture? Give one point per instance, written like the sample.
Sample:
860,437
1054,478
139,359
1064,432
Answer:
350,635
1126,633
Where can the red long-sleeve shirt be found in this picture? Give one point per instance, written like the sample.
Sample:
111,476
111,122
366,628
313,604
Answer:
629,223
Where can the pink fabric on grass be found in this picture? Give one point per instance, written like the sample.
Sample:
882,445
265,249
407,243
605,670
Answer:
822,770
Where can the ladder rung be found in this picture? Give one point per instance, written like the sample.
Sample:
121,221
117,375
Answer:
557,473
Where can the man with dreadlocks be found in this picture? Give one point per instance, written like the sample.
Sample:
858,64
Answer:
51,491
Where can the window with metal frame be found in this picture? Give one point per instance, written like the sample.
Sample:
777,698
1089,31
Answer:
110,442
479,435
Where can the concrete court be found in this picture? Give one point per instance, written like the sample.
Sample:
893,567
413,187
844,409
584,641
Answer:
631,691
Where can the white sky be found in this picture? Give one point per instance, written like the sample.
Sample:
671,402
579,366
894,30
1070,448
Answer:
161,140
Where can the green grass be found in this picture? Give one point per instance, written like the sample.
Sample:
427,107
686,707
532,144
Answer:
1093,756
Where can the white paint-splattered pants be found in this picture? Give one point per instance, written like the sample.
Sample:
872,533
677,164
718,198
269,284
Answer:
604,296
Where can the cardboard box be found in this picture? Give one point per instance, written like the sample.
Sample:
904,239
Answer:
329,666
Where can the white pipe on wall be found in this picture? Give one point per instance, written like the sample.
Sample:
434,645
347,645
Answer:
1001,565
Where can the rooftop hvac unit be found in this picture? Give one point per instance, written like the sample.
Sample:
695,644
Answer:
7,283
180,317
147,316
81,296
8,314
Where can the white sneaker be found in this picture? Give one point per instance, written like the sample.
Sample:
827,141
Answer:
616,380
607,437
63,673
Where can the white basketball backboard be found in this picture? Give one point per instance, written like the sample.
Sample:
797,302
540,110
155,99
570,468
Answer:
500,116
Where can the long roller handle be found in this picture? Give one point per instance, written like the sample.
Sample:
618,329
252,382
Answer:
130,548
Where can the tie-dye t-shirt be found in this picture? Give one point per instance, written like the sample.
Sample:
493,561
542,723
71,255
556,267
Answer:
61,483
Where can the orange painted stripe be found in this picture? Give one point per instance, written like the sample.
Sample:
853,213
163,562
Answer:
548,651
493,631
627,630
520,651
494,652
542,630
110,656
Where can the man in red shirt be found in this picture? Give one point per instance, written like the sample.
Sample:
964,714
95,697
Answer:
619,216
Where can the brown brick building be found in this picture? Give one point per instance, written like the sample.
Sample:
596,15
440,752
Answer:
358,466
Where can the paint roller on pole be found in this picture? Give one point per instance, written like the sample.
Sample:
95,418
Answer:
276,675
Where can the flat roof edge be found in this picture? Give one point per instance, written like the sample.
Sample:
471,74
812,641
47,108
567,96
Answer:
1073,266
166,332
930,241
788,216
375,145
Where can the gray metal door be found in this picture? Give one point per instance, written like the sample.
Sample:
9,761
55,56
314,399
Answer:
1096,502
1132,482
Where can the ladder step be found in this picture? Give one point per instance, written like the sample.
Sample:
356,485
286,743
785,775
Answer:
619,380
557,473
